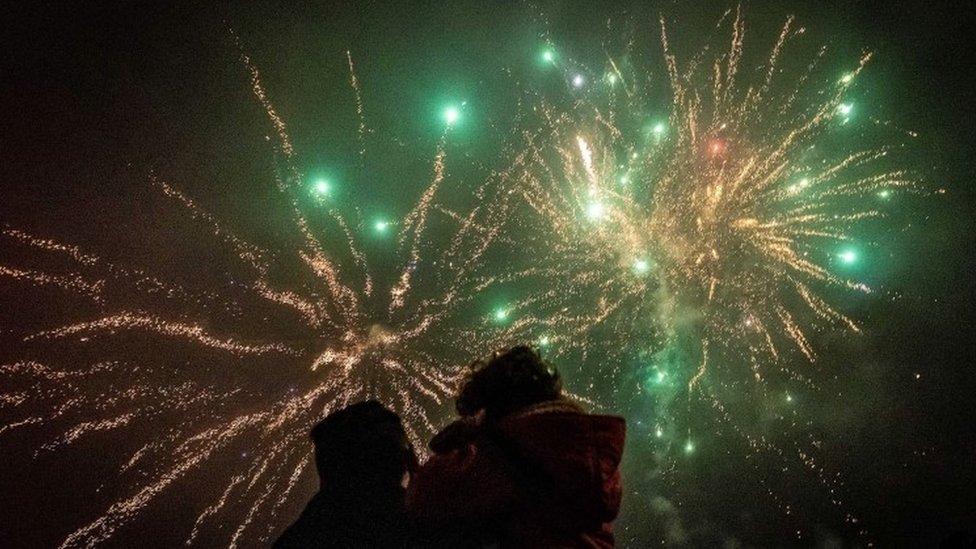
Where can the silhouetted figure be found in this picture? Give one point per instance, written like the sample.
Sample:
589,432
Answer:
363,458
523,467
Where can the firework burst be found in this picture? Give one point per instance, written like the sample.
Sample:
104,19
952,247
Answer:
733,205
713,212
292,334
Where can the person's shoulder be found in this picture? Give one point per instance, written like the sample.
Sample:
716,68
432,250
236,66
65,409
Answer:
556,428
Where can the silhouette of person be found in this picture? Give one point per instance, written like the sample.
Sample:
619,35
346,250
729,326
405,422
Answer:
363,459
523,467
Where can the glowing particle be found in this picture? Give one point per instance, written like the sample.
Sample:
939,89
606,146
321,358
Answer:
544,341
846,79
845,110
322,187
381,226
451,115
716,147
659,377
594,210
501,314
612,79
658,432
789,397
549,56
847,257
884,194
659,129
624,180
795,188
578,81
689,447
641,266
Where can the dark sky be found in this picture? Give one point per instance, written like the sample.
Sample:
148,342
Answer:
96,95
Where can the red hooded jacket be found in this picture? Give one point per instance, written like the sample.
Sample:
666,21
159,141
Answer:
545,476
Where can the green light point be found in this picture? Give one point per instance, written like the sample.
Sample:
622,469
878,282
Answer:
381,226
548,55
847,257
846,79
500,314
845,109
689,447
543,341
884,194
641,266
659,129
658,432
451,115
789,397
321,187
594,211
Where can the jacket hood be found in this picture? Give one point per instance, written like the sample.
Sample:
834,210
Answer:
578,452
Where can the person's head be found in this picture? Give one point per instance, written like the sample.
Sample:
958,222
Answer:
508,382
363,444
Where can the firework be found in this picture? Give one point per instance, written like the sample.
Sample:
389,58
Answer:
713,214
708,236
728,211
238,402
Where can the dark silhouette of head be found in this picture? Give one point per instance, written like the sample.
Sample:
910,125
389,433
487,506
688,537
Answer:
507,382
362,446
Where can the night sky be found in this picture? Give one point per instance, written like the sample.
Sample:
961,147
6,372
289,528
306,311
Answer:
97,100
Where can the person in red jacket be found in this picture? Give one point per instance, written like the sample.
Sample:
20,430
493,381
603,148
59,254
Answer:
523,467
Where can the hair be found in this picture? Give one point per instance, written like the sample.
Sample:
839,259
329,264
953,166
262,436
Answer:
507,382
363,442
